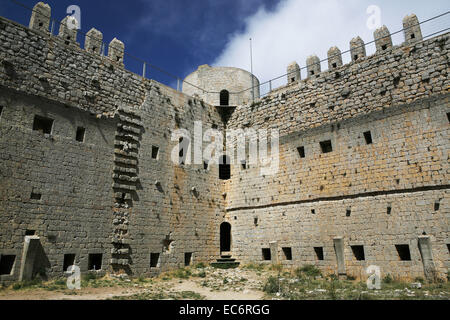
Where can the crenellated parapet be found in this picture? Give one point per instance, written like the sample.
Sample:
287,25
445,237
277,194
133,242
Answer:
93,41
116,51
313,66
334,58
383,40
68,31
293,72
40,18
412,30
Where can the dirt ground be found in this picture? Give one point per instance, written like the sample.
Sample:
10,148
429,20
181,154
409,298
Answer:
253,282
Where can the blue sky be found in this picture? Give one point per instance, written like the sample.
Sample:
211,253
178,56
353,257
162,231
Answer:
179,35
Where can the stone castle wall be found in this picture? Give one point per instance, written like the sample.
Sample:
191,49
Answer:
399,96
106,195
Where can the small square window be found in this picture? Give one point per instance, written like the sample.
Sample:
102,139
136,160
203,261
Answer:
187,259
154,260
334,65
266,255
326,146
358,253
301,152
319,253
35,196
403,252
155,152
80,134
7,264
355,57
95,262
69,260
43,125
287,253
413,36
368,137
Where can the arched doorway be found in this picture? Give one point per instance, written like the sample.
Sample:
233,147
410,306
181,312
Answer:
224,98
225,237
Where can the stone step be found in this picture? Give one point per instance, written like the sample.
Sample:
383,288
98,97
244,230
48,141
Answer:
225,265
226,260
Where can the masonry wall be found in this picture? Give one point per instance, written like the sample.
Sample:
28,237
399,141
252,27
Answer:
401,98
82,211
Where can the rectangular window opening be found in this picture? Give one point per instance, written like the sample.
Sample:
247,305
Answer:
448,247
266,255
403,252
30,232
35,196
205,165
95,262
413,36
326,146
448,116
334,65
287,253
437,205
42,124
389,210
69,260
368,137
348,213
155,152
187,259
154,260
1,111
319,253
355,57
358,252
301,152
80,134
7,264
244,165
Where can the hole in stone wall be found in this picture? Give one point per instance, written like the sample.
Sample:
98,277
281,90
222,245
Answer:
413,36
205,165
396,81
224,168
348,213
358,252
94,49
80,134
312,73
301,152
35,196
41,24
368,137
437,205
244,165
355,57
187,259
389,210
69,260
30,232
326,146
448,248
155,152
335,65
384,47
43,124
7,264
95,261
255,221
448,116
313,211
154,260
292,79
319,253
266,254
403,252
1,110
287,253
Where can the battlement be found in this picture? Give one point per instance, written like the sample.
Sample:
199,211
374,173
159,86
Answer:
383,42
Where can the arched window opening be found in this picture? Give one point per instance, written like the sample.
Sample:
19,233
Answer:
224,98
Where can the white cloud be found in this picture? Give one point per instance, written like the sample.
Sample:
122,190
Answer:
299,28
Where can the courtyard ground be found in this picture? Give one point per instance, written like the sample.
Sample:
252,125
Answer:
250,282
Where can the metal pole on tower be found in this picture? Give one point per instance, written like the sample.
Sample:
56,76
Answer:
251,66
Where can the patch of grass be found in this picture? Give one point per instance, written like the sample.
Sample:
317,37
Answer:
272,285
309,271
388,279
200,265
201,274
36,283
255,266
182,274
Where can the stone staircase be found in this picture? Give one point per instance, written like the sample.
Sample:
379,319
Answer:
225,261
